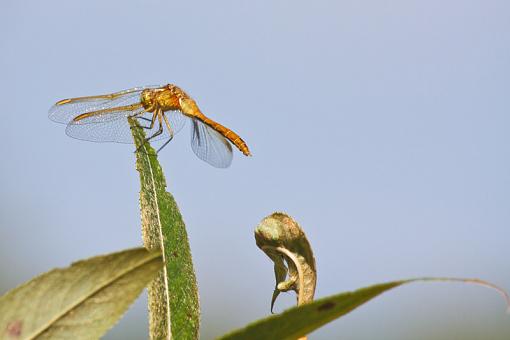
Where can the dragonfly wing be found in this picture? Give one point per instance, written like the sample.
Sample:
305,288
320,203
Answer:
177,120
209,145
114,127
65,110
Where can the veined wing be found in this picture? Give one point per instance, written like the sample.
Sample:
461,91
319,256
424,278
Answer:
209,145
65,110
115,126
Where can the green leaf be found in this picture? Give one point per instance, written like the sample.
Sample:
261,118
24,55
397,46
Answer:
299,321
173,296
78,302
283,240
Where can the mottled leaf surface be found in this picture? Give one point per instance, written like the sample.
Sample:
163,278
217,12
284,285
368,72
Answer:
82,301
173,296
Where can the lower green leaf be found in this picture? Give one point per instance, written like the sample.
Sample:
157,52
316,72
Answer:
82,301
299,321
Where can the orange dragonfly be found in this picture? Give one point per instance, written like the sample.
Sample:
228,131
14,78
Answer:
164,110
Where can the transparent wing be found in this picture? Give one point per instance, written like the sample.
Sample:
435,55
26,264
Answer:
209,145
176,119
115,126
65,110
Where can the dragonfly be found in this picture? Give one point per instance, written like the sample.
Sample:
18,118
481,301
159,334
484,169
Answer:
162,110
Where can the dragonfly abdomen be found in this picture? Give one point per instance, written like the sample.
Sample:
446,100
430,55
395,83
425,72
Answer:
228,134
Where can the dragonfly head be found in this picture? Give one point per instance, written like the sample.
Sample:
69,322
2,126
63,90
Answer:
148,100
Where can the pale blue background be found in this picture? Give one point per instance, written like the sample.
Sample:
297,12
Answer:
381,126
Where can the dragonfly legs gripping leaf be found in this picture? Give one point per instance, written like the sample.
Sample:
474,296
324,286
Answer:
159,114
147,120
170,130
153,121
139,116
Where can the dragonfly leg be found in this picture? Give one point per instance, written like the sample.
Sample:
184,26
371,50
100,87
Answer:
170,130
157,133
144,126
152,120
165,144
138,116
160,129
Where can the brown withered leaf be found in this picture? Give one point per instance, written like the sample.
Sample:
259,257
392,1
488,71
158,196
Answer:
282,239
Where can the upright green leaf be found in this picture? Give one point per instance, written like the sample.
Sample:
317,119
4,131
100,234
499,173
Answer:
173,296
301,320
78,302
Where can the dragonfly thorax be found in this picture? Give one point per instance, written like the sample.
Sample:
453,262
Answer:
165,98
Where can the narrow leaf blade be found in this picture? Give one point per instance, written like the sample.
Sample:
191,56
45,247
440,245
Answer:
299,321
78,302
173,296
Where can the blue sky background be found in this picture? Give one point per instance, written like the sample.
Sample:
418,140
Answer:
381,126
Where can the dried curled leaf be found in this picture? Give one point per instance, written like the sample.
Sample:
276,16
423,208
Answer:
283,240
81,301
